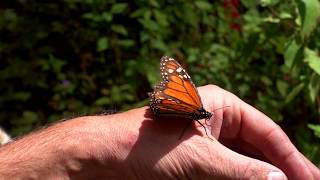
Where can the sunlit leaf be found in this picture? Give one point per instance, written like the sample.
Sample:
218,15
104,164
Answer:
119,29
203,5
161,18
118,8
23,96
313,60
154,3
309,13
282,87
55,63
314,87
315,128
28,117
293,52
294,92
102,44
269,2
103,101
126,42
107,16
266,80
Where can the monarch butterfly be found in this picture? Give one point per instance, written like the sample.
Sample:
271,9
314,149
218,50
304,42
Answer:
176,95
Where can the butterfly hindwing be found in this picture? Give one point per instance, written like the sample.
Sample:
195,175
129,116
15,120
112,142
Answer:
165,105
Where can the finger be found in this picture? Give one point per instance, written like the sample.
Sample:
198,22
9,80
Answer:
213,100
229,164
243,147
242,121
314,170
260,131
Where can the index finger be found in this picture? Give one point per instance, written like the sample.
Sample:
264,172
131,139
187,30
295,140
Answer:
241,122
261,132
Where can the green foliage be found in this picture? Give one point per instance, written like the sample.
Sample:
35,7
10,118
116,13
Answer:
309,15
315,128
68,58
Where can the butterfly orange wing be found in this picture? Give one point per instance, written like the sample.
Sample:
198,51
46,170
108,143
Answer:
176,95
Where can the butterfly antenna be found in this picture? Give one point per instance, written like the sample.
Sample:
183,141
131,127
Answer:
206,120
221,108
205,129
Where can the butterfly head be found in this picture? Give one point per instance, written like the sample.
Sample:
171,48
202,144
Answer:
207,115
203,114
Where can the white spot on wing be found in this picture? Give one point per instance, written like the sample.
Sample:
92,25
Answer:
179,70
170,70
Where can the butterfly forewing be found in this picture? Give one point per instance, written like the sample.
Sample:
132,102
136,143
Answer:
179,80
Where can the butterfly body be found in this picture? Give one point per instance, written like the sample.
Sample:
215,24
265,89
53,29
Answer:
176,95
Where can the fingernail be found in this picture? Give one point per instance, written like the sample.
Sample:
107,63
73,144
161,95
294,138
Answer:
276,175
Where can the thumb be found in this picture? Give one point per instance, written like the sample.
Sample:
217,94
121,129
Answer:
233,165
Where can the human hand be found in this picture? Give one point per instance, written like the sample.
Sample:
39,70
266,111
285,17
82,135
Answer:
144,148
132,145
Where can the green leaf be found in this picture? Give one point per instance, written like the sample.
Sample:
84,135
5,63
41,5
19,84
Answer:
22,96
138,13
103,101
315,128
159,44
190,17
119,29
285,15
118,8
106,16
249,3
269,2
126,42
102,44
92,16
154,3
161,18
149,24
295,91
282,87
313,60
203,5
8,19
116,94
55,63
266,80
28,117
309,13
314,87
293,53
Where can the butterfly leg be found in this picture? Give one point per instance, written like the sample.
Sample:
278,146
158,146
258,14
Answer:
205,129
207,122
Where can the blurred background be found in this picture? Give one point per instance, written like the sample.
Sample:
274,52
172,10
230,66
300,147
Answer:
61,59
